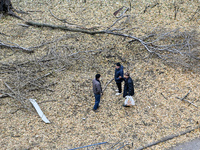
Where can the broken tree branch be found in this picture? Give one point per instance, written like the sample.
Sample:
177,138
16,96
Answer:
197,10
122,146
62,20
187,101
186,95
149,6
116,12
107,85
117,21
183,99
176,51
163,96
64,28
16,46
168,138
88,145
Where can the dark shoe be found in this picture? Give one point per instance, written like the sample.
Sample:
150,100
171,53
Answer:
126,106
95,110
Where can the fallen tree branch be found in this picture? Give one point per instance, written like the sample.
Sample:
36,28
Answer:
62,20
116,12
88,145
197,10
168,138
107,85
30,82
4,95
117,21
163,95
150,7
64,28
114,145
171,52
188,102
83,52
183,99
122,146
48,101
10,89
16,110
16,47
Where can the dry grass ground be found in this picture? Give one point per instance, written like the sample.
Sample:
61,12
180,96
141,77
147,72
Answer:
158,113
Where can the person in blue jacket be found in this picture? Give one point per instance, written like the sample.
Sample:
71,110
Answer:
119,77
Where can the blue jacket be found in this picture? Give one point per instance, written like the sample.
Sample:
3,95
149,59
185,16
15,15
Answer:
119,72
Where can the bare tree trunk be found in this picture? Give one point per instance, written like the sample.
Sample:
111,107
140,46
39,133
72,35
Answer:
5,6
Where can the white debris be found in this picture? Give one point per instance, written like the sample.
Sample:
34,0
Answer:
39,111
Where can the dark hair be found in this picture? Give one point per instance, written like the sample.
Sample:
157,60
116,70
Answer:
118,64
127,74
97,76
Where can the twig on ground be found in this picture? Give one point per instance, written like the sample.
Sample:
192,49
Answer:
187,101
48,101
114,145
63,20
16,46
197,10
117,21
150,6
122,146
88,146
4,95
183,99
163,96
107,85
16,110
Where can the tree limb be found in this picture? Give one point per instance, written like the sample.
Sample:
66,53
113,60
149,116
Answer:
168,138
107,85
16,46
177,50
63,28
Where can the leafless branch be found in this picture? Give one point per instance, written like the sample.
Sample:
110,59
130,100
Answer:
150,6
197,10
15,46
107,85
176,50
62,20
168,138
117,21
176,8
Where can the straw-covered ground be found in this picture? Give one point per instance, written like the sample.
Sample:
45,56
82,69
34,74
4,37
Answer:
158,112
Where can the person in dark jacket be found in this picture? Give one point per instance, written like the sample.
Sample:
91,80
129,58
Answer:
97,91
128,86
119,75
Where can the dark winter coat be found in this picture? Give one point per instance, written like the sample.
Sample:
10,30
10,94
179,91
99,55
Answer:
128,87
97,87
119,72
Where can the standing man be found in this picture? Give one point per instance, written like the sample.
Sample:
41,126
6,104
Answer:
97,91
119,75
128,86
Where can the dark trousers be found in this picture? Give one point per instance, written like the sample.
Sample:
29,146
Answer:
119,85
97,101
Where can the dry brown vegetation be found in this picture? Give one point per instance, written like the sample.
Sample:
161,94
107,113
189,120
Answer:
59,72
